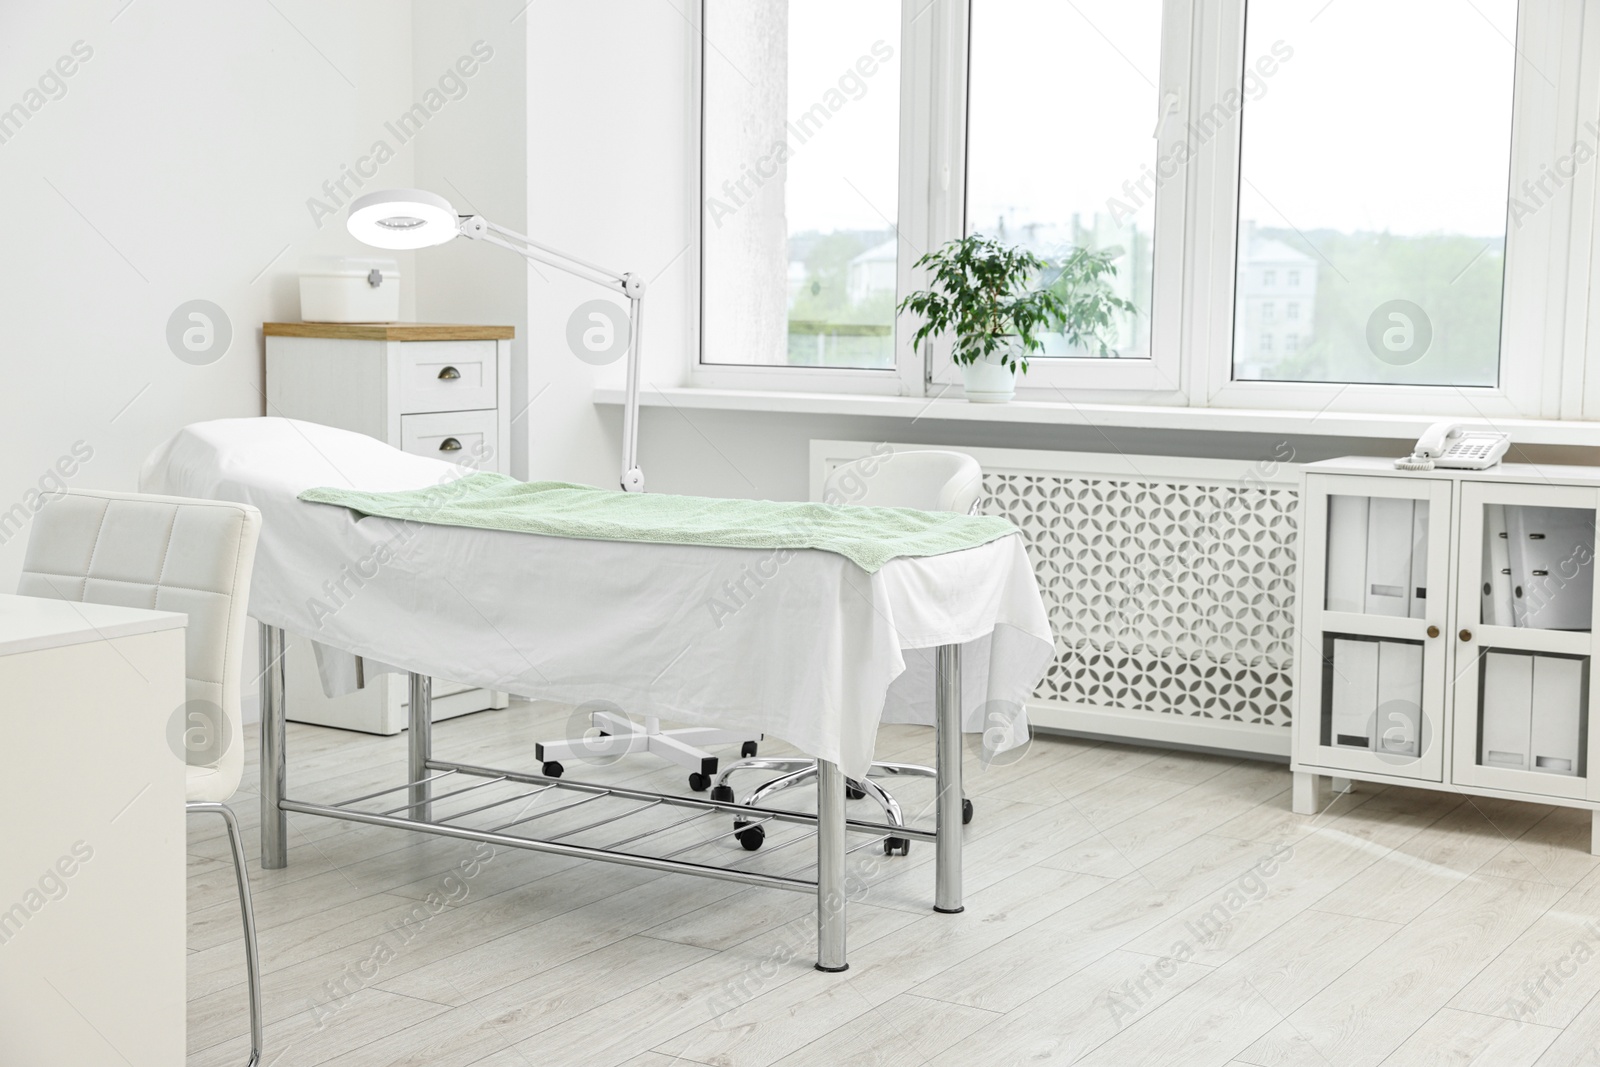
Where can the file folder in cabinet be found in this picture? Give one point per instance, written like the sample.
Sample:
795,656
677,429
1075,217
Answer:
1551,555
1377,556
1507,698
1355,693
1347,554
1557,732
1399,710
1418,605
1376,696
1497,598
1532,709
1389,553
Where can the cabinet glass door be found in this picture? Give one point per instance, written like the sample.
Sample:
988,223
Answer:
1524,640
1377,556
1372,661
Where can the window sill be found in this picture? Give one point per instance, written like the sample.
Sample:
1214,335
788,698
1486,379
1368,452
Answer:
1104,416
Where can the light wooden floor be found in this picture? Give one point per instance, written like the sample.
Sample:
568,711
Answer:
1125,906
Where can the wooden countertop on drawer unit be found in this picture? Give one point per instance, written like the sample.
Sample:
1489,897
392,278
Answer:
389,331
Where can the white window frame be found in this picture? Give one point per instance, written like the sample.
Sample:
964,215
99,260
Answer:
1552,283
1544,124
1152,380
905,378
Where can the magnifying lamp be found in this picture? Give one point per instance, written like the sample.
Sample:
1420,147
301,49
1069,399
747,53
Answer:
416,218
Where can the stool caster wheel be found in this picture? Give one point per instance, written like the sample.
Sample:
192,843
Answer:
747,750
966,811
552,769
751,837
699,782
891,845
852,793
723,792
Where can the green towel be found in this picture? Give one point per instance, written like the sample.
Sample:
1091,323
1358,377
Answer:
868,537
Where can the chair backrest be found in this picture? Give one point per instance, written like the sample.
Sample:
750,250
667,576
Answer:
171,554
928,480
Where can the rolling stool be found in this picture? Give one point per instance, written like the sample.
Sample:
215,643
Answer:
928,481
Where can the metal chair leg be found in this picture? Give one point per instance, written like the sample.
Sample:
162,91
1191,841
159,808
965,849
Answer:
764,763
808,773
793,778
910,770
890,806
248,912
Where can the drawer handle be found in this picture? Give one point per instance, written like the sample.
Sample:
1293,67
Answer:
449,374
449,444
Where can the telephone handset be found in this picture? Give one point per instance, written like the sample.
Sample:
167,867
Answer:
1449,444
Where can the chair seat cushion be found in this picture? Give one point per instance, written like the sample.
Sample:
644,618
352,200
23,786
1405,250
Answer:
210,784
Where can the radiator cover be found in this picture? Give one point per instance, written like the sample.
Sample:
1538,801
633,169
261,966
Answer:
1169,583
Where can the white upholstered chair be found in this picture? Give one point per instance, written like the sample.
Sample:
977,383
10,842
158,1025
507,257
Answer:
928,480
170,554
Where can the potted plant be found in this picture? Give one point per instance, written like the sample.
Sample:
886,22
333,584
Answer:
996,301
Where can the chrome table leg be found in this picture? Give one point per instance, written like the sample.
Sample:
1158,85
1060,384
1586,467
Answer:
830,868
419,745
947,761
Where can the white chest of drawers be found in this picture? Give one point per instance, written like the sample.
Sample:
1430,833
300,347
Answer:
432,390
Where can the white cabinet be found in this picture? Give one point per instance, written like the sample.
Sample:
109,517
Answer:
432,390
92,870
1446,623
1372,669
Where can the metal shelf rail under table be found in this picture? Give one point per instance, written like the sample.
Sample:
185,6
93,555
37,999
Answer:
433,784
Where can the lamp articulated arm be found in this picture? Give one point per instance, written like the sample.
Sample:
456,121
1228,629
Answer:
631,286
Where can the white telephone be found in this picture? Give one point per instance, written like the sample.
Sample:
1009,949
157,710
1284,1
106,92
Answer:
1449,444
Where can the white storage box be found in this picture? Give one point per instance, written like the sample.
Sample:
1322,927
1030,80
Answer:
349,289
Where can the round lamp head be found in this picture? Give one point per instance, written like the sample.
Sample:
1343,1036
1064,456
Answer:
402,218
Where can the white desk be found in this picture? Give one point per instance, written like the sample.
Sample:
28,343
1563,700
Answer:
92,854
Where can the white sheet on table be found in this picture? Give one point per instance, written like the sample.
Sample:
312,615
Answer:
817,656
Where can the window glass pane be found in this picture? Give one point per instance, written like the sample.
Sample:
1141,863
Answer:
1374,161
801,179
1062,104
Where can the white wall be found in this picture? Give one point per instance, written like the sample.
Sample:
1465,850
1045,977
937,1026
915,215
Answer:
608,116
176,166
477,158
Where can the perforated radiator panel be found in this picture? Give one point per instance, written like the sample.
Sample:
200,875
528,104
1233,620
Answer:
1169,597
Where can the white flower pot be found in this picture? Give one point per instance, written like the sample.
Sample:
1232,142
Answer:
989,380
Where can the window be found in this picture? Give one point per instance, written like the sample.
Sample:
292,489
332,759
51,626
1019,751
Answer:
1395,216
799,258
1064,197
1409,187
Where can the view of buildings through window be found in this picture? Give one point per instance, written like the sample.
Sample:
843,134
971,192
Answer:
1373,207
1372,213
801,182
1032,176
